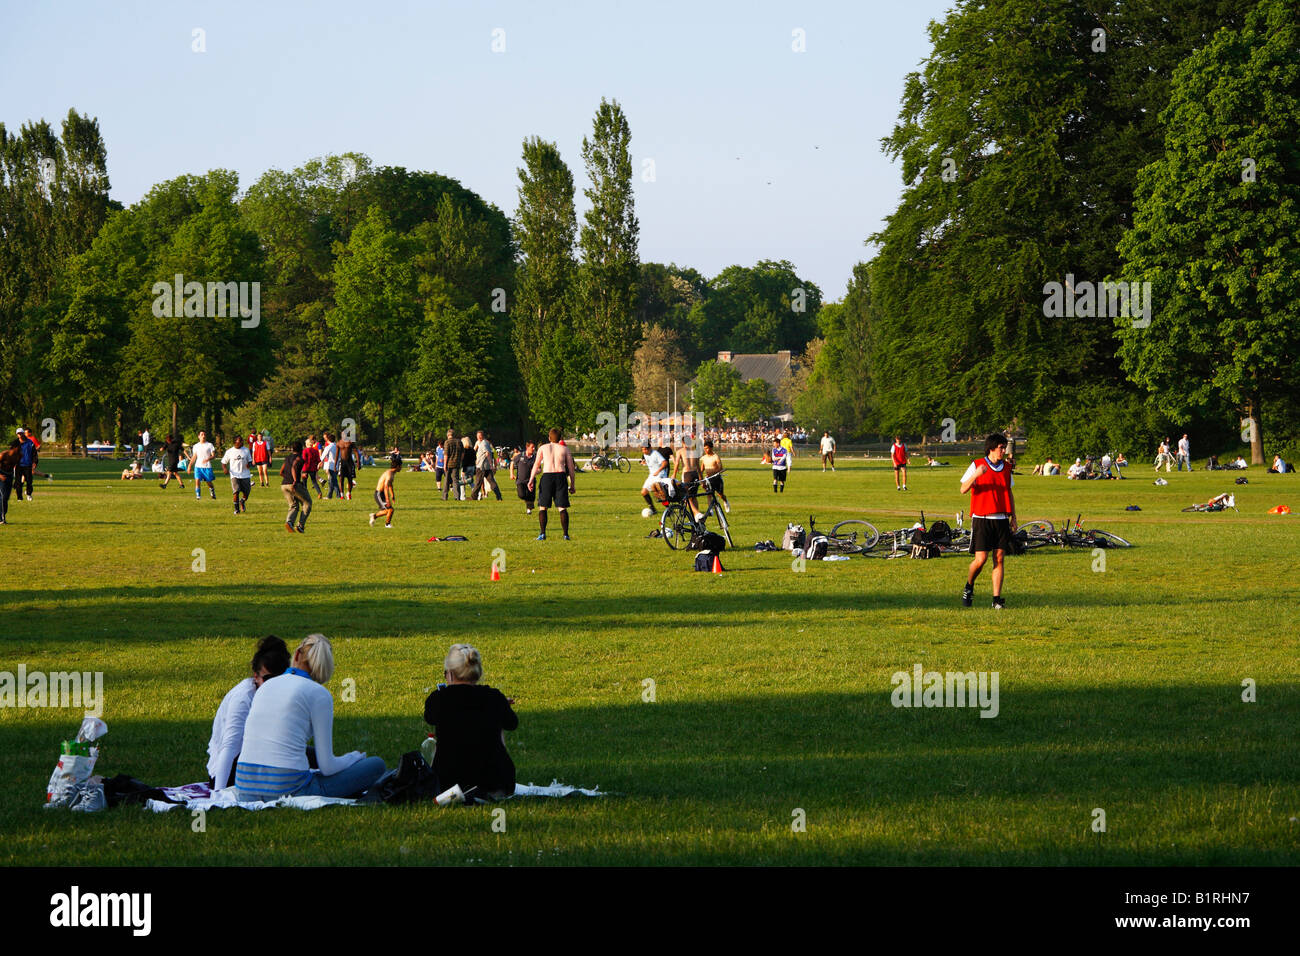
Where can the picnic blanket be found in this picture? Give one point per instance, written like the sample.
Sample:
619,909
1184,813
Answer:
197,796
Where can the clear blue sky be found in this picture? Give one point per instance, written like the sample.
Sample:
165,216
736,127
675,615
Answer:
759,152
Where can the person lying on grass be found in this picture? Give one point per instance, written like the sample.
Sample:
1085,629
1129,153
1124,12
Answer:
271,659
469,721
285,713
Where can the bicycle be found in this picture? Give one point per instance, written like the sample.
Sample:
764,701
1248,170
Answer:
853,536
1217,503
1040,532
605,460
678,521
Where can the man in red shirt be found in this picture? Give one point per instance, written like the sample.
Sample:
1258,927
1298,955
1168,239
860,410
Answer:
311,463
898,455
261,456
993,514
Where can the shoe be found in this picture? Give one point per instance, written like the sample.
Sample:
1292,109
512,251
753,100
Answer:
288,527
967,595
214,496
904,487
386,525
198,497
372,521
302,530
998,603
528,511
542,536
566,537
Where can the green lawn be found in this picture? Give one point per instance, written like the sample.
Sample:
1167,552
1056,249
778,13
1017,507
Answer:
1120,689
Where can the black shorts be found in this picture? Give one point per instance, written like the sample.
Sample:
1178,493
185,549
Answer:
714,483
990,534
553,488
898,466
348,469
778,474
688,479
521,489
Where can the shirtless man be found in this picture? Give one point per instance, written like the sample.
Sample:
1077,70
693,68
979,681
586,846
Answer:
686,461
711,462
385,493
554,463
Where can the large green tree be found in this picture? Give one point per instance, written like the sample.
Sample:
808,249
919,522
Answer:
714,383
1216,230
609,273
762,308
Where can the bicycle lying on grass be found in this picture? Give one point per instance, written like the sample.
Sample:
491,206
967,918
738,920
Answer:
606,460
678,521
853,536
1040,533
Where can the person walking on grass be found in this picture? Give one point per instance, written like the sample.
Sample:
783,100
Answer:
993,515
27,457
311,459
172,461
485,462
261,457
237,462
453,456
201,454
898,456
521,468
554,464
330,458
348,460
780,466
294,487
828,451
385,493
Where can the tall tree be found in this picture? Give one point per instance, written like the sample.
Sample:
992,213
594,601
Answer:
545,225
659,360
374,324
1216,230
609,271
761,308
714,383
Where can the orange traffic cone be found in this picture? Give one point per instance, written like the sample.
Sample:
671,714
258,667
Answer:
717,565
496,573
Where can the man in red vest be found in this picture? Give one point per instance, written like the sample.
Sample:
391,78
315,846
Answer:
993,514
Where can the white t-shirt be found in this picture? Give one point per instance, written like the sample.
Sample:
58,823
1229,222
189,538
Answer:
1105,462
657,465
330,456
239,461
228,731
828,444
288,711
144,439
1184,448
203,453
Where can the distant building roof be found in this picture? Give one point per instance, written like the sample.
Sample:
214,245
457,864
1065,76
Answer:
771,368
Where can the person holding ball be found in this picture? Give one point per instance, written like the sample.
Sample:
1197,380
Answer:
993,514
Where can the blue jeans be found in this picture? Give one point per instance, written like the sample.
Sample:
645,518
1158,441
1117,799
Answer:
334,485
345,783
1184,460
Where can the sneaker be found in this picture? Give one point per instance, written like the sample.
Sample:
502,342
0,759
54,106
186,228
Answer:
542,536
998,603
302,530
214,496
372,521
967,595
198,497
566,537
904,487
528,511
288,527
386,525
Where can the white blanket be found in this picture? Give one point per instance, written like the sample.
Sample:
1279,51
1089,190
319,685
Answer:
196,796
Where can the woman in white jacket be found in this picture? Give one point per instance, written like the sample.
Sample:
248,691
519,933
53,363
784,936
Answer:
285,713
271,659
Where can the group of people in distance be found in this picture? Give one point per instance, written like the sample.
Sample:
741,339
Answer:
679,474
260,731
17,466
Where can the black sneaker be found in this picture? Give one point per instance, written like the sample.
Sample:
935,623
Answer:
967,596
998,603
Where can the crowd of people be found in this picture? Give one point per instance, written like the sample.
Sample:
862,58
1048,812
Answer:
672,434
260,734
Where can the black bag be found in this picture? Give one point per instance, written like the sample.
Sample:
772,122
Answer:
706,541
412,781
817,548
925,550
1242,481
940,533
704,561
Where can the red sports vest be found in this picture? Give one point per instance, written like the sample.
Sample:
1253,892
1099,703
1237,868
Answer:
991,493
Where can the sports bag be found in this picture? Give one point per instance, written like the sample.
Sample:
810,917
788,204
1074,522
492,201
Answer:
794,539
704,561
816,549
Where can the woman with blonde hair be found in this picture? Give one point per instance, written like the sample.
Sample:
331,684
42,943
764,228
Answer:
469,721
285,713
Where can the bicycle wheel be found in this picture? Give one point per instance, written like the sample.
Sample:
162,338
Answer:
722,523
624,465
1112,540
861,533
676,526
596,463
1038,527
1195,508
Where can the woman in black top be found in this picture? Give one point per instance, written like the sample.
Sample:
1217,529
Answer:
469,721
172,449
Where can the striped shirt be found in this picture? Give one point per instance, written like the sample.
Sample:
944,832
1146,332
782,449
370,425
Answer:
258,782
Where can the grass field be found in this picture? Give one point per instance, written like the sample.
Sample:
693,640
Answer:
1120,689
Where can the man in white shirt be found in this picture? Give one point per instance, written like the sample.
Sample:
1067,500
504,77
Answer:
1184,453
237,462
145,439
657,466
1076,470
329,456
485,466
828,451
201,454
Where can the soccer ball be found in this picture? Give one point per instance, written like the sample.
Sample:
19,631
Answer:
646,512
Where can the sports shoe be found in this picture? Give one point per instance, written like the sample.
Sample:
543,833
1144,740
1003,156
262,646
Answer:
387,525
214,495
566,537
967,595
542,536
904,487
288,527
372,521
998,603
198,497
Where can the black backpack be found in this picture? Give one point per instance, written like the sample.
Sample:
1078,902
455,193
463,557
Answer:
817,548
940,533
707,541
704,561
412,781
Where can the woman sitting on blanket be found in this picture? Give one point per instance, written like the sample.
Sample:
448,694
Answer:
285,713
469,721
271,659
